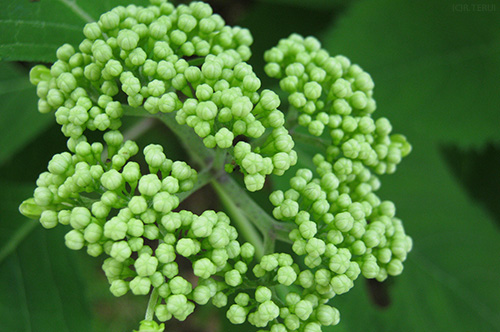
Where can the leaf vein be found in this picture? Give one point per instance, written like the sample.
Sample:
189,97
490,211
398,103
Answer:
77,10
454,284
42,24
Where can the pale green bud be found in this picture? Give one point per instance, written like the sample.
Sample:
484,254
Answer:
74,240
119,288
120,251
204,268
140,285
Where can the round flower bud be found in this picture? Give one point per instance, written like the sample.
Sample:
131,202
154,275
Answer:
268,311
236,314
115,229
179,285
120,251
233,278
263,294
395,267
247,250
170,270
146,265
341,284
219,238
112,180
312,327
119,287
187,247
292,322
127,39
202,294
224,138
211,70
219,300
312,90
269,262
149,185
92,31
140,285
242,299
93,233
80,217
286,275
303,309
49,219
204,268
137,205
74,240
327,315
165,253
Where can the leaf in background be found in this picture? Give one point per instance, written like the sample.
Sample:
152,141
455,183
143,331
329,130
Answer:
269,22
477,171
40,282
436,68
313,4
20,122
32,31
437,64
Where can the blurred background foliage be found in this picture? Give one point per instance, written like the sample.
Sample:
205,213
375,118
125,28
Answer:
436,65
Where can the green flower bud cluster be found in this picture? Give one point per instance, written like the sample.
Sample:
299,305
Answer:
343,228
110,205
261,307
113,208
184,61
336,97
166,59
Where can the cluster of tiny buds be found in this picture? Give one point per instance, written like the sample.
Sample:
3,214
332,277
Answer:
165,59
334,96
185,64
133,206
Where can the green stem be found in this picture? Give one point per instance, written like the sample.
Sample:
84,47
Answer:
220,159
153,301
200,154
308,139
244,226
263,221
192,143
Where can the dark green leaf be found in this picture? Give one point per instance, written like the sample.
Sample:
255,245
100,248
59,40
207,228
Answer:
40,282
435,64
13,226
316,4
271,22
41,287
32,31
20,121
477,171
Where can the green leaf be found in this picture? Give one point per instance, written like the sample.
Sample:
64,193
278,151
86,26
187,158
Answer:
436,65
435,69
267,30
41,287
13,226
33,30
316,4
20,121
477,172
40,282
